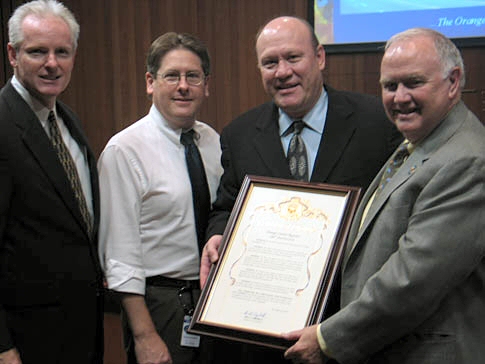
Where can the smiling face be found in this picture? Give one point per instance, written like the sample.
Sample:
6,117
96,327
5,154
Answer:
416,94
45,59
291,68
180,102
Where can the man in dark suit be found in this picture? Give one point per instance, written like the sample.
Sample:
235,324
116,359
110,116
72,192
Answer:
413,275
50,280
347,135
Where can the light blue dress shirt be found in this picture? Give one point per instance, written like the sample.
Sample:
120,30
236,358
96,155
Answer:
312,134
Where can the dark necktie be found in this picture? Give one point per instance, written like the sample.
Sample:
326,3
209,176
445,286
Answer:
70,169
397,160
296,156
200,189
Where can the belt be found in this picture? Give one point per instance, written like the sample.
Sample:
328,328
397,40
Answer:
161,281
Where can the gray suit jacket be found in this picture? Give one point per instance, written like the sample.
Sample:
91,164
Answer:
413,284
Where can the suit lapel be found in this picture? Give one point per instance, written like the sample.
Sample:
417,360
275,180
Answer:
359,227
420,155
338,131
37,142
74,130
267,143
78,135
336,135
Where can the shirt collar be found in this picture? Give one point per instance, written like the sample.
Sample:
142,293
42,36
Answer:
313,118
410,146
40,110
163,125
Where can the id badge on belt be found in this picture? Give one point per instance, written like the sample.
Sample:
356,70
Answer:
187,301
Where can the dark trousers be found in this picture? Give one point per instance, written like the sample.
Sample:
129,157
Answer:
235,352
167,314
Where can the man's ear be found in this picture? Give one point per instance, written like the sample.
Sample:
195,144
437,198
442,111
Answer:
455,76
206,86
320,52
12,55
149,83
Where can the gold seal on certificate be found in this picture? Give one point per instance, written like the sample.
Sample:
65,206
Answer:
280,251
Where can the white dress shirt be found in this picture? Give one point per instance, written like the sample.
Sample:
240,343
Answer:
147,224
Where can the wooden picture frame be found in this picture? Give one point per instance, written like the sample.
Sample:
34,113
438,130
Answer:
280,253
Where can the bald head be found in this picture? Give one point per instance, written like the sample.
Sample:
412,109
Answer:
291,63
290,23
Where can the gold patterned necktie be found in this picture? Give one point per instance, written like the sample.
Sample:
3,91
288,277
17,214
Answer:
394,164
297,156
70,169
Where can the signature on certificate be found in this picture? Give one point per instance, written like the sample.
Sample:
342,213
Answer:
254,315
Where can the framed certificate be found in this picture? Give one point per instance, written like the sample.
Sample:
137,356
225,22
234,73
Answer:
279,255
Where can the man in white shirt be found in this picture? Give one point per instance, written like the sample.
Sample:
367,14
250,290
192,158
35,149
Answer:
149,226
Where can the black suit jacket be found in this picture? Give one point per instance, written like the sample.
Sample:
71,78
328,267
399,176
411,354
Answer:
49,270
358,138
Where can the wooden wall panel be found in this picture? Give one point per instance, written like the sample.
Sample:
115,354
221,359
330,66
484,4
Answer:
6,7
5,10
360,72
108,87
474,92
108,84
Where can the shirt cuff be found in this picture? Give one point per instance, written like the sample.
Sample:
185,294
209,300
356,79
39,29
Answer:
122,277
322,343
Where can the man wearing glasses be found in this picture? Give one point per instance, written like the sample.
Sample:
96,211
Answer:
153,209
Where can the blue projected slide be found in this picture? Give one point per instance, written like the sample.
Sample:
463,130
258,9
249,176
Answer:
384,6
370,21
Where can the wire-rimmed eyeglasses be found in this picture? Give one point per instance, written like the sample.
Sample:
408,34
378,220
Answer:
173,78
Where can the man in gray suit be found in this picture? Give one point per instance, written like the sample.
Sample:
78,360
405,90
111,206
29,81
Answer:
413,276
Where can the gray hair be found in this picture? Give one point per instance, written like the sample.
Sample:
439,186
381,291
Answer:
40,8
448,53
